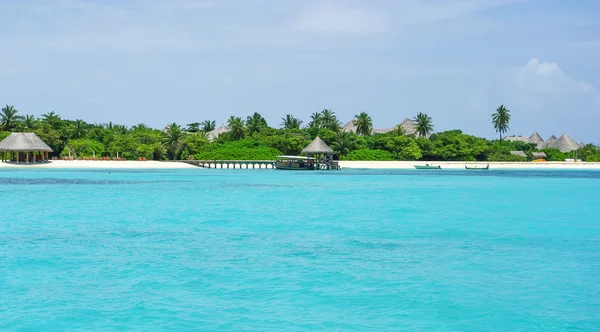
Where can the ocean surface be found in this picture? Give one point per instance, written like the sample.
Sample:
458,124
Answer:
267,250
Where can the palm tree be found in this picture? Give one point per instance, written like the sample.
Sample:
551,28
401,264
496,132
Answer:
328,116
334,125
399,130
255,123
207,126
500,119
423,124
52,119
342,144
291,122
193,127
78,129
316,120
140,127
30,122
9,117
363,123
173,138
236,127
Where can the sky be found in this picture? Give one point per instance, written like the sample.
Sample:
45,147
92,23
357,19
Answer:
163,61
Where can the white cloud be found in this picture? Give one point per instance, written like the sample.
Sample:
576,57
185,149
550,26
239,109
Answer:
341,20
548,77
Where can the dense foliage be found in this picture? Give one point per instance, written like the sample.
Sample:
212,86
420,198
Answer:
253,139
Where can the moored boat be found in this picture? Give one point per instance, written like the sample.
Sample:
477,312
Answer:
298,163
478,167
427,166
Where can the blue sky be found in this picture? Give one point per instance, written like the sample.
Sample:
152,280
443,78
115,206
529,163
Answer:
159,61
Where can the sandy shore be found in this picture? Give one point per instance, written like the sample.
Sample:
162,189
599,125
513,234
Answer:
75,164
150,164
461,165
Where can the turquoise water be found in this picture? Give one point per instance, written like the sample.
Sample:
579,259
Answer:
275,250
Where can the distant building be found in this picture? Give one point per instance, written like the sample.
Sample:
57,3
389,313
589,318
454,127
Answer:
407,124
215,133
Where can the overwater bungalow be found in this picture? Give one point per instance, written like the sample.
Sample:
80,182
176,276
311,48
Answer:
24,147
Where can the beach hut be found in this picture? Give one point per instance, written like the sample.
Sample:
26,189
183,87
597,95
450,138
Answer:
214,134
518,153
549,141
536,139
538,155
409,126
25,147
517,139
564,144
350,127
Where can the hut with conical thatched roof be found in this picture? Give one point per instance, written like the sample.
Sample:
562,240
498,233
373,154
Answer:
317,146
24,147
536,139
213,134
564,144
550,140
350,127
409,126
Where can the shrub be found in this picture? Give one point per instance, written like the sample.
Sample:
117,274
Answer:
238,150
365,154
504,156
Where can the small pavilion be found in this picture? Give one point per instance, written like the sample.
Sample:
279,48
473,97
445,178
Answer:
322,153
24,147
318,148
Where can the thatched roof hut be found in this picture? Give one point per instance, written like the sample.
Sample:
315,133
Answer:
317,146
517,138
564,144
24,142
536,139
213,134
518,153
409,126
538,155
21,145
350,126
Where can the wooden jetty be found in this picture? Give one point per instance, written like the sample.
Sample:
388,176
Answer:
245,164
249,164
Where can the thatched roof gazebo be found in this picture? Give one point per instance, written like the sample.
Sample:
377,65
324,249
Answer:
21,145
317,146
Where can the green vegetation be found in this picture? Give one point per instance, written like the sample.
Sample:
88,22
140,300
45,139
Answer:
366,154
254,139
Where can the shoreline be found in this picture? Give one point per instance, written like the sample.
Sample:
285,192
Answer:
152,164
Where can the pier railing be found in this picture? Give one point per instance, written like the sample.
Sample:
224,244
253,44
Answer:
245,164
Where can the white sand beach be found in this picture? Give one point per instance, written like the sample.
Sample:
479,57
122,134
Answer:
150,164
78,164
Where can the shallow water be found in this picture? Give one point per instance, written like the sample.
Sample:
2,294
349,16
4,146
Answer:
277,250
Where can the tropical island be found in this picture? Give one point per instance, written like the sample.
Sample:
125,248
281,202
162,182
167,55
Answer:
254,139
